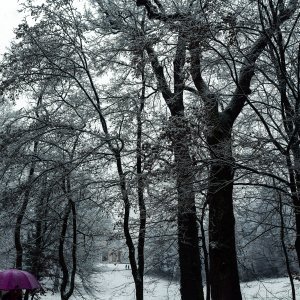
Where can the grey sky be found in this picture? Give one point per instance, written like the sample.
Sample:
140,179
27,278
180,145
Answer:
9,18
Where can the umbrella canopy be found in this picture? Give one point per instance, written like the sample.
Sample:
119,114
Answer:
14,279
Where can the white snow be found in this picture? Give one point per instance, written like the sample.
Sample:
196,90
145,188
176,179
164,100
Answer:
115,282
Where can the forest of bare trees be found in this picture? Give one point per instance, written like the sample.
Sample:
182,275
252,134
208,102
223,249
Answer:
172,127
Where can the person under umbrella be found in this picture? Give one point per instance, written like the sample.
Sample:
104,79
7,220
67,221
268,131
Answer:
13,295
14,280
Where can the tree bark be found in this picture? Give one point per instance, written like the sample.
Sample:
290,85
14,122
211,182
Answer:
68,280
296,203
40,211
205,251
188,240
138,281
21,213
290,119
284,247
224,276
62,261
140,189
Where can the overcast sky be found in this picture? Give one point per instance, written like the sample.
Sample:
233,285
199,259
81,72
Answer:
9,19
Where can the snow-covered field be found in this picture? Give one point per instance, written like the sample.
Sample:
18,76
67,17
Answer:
114,282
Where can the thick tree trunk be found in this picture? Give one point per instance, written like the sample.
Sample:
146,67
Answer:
188,244
224,276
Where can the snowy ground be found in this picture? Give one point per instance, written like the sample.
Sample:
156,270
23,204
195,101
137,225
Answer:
114,282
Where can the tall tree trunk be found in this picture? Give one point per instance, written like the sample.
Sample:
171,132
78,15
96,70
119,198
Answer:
296,205
223,260
62,261
137,264
68,280
205,250
17,233
140,188
224,272
224,276
188,241
290,118
294,187
21,213
129,242
37,256
284,247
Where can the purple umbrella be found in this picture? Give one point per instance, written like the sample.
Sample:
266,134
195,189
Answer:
14,279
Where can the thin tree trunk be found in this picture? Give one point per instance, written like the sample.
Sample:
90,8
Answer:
137,268
128,238
140,190
296,204
21,214
40,214
62,261
290,118
68,280
284,248
205,252
137,265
